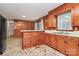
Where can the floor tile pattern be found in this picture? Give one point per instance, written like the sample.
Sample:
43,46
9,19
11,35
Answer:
14,49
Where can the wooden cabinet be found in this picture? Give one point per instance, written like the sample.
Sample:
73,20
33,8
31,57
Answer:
65,44
72,46
61,43
27,40
41,37
45,19
47,40
37,38
53,41
31,39
75,15
51,21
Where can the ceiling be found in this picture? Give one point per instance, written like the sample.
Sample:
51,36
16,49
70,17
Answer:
32,11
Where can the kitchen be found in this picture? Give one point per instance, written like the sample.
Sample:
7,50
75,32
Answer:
58,29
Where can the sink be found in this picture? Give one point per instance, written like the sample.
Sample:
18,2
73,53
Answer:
62,32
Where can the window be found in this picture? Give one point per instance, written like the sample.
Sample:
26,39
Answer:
64,21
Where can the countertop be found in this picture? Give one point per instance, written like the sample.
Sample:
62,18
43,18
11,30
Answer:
31,30
65,33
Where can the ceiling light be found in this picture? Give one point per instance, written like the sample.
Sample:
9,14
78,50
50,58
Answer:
23,16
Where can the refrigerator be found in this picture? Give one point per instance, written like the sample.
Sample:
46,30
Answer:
3,34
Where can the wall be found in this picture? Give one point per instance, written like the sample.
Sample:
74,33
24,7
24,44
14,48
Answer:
22,25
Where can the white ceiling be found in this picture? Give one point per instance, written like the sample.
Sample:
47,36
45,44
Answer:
32,11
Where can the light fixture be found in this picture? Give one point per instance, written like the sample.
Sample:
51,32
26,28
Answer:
23,16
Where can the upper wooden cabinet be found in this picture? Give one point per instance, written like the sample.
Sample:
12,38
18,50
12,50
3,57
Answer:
73,7
45,19
52,21
52,15
49,22
75,15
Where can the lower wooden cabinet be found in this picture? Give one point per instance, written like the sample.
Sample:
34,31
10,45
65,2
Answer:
65,44
53,41
61,43
31,39
47,39
72,47
27,40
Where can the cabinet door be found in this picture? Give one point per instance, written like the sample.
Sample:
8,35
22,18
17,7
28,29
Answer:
53,41
35,41
42,37
27,40
47,40
75,15
45,19
35,38
46,24
72,47
60,43
51,21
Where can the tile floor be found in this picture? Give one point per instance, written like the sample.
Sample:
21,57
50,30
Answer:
14,49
